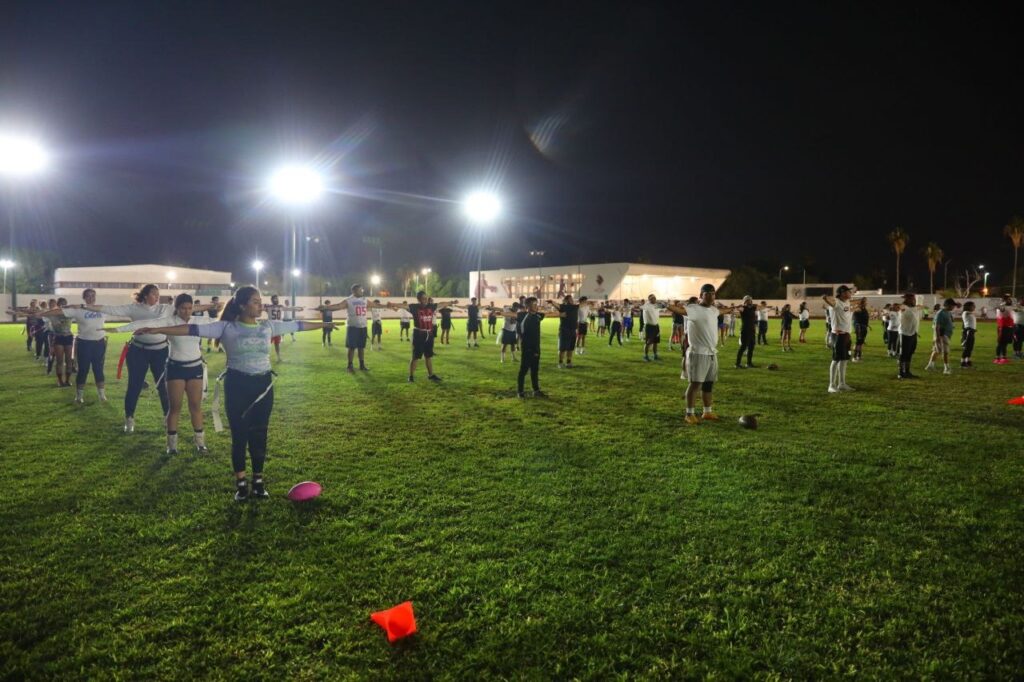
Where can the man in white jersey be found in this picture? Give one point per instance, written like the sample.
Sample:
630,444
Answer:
289,315
652,332
583,326
842,325
355,333
376,325
276,313
702,353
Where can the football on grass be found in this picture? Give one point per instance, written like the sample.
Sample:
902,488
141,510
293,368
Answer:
748,421
306,490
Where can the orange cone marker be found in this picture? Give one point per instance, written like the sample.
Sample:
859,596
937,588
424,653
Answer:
1016,401
398,621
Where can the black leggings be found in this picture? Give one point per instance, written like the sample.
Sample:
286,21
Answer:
529,361
616,333
248,419
1018,338
29,336
747,343
1005,339
894,341
762,333
908,344
326,335
968,344
90,355
42,343
139,360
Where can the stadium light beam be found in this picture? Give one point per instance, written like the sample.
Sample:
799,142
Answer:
6,264
257,265
295,185
22,157
482,208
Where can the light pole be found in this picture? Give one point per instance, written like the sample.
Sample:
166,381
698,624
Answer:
257,265
295,187
481,208
426,280
5,264
784,267
171,276
21,159
984,285
374,282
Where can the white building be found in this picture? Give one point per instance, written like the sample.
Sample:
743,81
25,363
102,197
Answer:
116,283
599,281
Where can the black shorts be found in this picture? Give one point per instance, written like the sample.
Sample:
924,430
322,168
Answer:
581,329
841,348
404,324
804,324
178,371
652,333
472,325
508,338
377,328
355,337
861,332
566,339
63,339
422,345
446,325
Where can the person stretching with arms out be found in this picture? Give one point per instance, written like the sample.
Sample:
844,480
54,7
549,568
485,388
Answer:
248,380
702,353
355,331
841,313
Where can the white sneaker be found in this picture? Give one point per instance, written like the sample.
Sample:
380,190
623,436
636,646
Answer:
947,371
682,376
929,367
833,389
129,424
846,387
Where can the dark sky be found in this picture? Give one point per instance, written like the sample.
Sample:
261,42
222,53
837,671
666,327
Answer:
705,135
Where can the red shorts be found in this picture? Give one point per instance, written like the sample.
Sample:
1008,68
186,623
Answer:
276,340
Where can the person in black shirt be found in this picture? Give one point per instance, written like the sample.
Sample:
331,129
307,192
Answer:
472,322
787,328
492,319
327,317
530,348
678,325
568,312
446,321
861,320
748,332
424,330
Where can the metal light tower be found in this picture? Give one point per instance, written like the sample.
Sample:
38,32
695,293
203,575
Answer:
295,187
21,159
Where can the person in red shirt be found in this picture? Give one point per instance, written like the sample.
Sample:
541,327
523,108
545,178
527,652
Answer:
423,332
1004,327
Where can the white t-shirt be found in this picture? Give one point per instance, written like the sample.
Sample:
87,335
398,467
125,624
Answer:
969,321
275,311
584,314
404,314
894,322
762,314
650,312
141,311
805,315
842,317
616,315
182,348
702,328
375,314
1018,316
910,321
90,324
357,312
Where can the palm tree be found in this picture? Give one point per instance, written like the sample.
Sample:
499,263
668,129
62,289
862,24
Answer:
1015,232
898,240
934,255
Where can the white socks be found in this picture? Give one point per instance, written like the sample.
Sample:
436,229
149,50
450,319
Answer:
102,393
79,394
833,374
200,439
842,372
172,441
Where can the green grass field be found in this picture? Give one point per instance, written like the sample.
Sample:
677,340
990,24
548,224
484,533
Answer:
591,535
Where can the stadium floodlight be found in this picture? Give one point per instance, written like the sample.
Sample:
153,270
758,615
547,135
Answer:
374,282
296,185
296,272
22,156
257,265
171,276
6,264
482,208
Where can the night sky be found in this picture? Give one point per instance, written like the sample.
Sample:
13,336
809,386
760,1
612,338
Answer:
709,136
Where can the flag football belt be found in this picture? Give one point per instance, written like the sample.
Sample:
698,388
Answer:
189,364
218,424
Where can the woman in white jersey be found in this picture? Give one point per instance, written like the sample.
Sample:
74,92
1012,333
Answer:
185,372
967,337
146,352
805,321
90,346
248,382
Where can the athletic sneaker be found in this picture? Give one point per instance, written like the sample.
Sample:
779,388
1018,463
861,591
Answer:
540,394
350,369
364,368
434,378
710,417
833,389
241,490
521,394
947,371
202,450
692,420
258,490
129,424
751,365
846,387
411,379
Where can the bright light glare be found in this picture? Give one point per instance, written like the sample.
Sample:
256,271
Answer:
22,156
5,264
296,272
375,280
426,271
481,207
296,185
257,265
171,276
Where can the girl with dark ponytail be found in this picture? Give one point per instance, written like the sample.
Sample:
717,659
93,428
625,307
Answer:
248,380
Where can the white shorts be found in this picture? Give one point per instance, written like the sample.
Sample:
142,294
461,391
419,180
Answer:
701,368
941,344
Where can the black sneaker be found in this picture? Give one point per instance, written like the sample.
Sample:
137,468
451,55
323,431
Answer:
521,394
740,367
350,369
258,489
540,394
241,490
435,378
751,366
411,379
364,368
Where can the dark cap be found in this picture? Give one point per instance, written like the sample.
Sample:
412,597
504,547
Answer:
842,289
707,289
949,302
